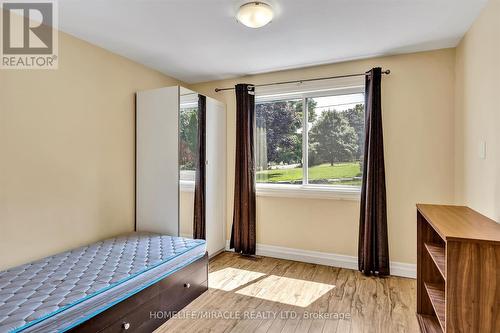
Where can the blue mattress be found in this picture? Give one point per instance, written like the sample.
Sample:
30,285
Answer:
59,292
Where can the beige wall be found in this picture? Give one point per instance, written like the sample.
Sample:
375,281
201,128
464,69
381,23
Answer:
418,128
67,151
478,114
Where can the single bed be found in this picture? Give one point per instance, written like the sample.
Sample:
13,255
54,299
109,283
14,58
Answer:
133,282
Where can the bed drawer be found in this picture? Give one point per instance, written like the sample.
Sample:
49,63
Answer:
191,280
137,320
154,313
176,292
148,309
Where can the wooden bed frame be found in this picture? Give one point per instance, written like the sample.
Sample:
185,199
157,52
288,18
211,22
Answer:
151,307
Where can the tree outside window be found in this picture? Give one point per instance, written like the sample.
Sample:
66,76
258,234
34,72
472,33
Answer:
335,139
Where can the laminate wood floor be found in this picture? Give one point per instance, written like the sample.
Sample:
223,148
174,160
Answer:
273,295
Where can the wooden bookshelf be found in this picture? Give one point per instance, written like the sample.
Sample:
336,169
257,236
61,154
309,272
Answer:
435,292
458,270
438,255
428,324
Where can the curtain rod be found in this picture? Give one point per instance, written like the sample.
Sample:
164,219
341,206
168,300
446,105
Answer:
387,72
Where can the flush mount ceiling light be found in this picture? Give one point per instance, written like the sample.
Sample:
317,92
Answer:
255,14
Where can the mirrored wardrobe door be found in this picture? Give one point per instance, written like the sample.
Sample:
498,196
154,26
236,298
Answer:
188,156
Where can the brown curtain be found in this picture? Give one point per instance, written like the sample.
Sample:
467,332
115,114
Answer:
243,229
199,228
373,247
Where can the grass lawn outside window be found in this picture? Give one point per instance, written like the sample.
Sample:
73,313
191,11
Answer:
323,174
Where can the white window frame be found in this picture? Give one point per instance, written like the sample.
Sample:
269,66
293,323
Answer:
304,91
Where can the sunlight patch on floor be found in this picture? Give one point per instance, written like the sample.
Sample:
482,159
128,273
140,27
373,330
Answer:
229,278
286,290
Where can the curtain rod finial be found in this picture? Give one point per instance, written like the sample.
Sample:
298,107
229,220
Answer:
387,71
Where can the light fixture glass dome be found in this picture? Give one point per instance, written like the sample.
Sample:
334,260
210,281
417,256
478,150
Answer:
255,14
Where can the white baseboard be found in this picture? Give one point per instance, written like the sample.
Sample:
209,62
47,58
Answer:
327,259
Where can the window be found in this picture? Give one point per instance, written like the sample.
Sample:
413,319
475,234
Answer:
327,155
278,156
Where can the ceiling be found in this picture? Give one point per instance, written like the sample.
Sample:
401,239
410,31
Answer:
200,40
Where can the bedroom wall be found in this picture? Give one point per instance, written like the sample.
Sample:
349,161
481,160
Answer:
67,151
478,114
419,129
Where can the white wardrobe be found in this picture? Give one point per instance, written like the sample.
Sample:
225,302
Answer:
164,170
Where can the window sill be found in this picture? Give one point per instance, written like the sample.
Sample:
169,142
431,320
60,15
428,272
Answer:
309,192
295,191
